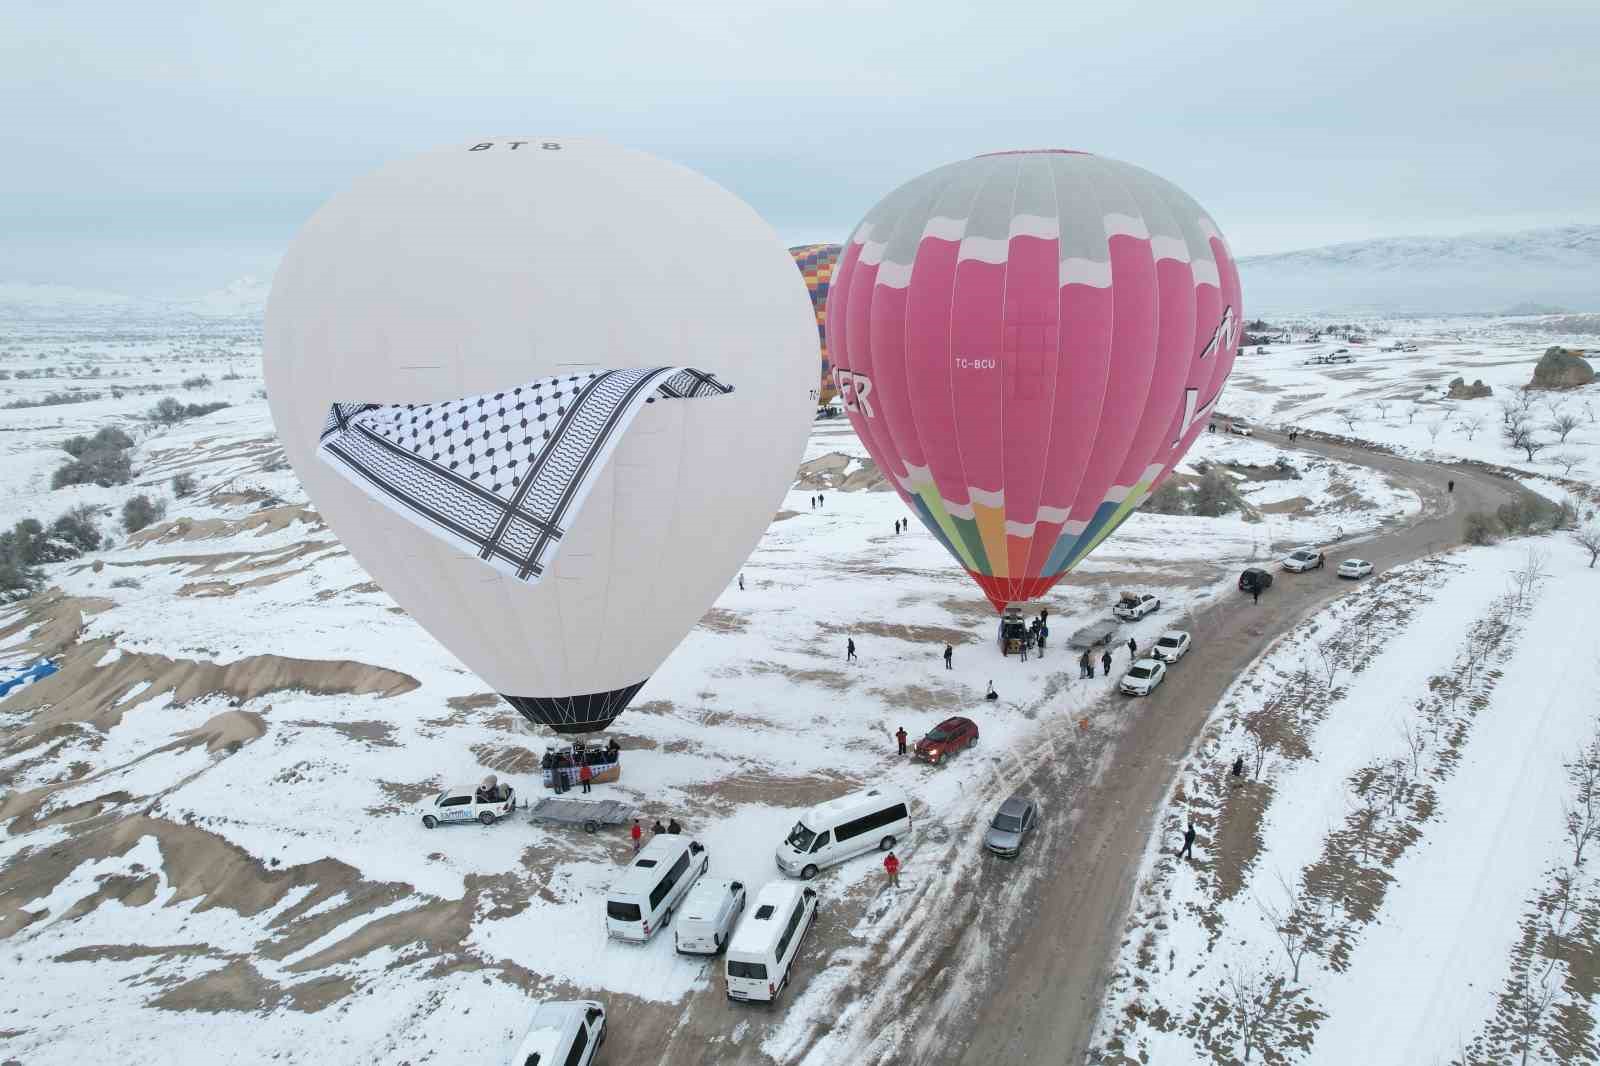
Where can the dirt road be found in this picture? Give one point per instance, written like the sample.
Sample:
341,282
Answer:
1047,980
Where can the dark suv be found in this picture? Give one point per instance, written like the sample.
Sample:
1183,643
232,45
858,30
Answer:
1254,580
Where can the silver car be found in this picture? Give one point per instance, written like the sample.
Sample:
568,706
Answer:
1011,823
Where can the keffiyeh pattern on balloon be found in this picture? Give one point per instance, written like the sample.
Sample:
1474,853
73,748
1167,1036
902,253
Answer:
502,475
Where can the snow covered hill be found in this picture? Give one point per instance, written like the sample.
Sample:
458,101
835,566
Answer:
1472,272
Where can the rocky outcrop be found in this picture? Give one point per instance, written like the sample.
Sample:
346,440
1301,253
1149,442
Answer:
1561,368
1460,390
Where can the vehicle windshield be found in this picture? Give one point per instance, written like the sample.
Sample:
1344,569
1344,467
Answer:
937,735
622,912
1008,823
1304,555
800,837
755,971
1167,642
1140,672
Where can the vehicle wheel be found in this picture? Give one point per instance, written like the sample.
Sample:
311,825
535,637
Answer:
487,817
591,826
886,844
1157,607
716,943
809,873
429,821
705,867
666,919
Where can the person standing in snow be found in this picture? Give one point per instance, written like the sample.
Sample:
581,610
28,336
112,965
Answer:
850,650
637,834
658,828
991,694
1133,648
1085,665
1188,843
1255,593
1105,663
949,654
821,500
900,738
891,866
1238,767
585,775
741,582
674,828
1450,486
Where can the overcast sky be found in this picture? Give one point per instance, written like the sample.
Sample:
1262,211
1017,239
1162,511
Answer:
168,147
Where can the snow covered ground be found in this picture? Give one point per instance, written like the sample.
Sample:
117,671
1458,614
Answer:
211,823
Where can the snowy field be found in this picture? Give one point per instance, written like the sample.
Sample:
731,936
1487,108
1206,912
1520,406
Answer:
211,811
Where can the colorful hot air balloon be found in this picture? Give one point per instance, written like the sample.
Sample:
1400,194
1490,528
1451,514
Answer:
816,263
516,412
1027,343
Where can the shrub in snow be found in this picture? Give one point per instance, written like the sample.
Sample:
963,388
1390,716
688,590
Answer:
108,439
1532,515
1215,495
125,583
78,529
1481,528
1168,499
101,466
169,411
140,512
182,485
199,381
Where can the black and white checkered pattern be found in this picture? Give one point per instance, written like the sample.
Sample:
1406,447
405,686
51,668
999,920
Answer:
501,475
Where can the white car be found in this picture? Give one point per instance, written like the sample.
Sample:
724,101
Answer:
563,1034
707,915
1302,559
1143,677
468,803
1355,568
1241,427
1133,607
1171,646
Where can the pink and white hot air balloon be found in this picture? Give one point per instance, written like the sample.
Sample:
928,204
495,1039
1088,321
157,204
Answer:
1028,343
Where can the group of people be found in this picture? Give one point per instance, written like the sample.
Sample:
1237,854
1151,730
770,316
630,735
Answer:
1086,660
637,832
901,525
816,501
579,764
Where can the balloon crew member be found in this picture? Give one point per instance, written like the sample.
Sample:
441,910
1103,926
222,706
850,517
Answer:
673,828
1133,648
900,738
1105,663
585,775
849,650
891,866
636,833
658,828
949,653
991,694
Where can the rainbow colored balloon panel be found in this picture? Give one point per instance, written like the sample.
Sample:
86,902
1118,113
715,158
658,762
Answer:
816,263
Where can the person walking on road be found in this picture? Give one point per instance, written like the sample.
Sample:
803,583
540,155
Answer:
1188,843
1105,663
1450,486
585,775
637,834
1238,768
1255,593
850,649
1133,649
891,866
900,738
741,582
1085,665
949,653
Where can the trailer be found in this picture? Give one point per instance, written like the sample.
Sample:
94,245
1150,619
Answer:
1093,635
591,814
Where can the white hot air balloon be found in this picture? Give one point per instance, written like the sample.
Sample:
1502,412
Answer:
464,357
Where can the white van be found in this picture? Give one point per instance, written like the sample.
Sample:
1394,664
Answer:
563,1034
843,828
641,901
764,946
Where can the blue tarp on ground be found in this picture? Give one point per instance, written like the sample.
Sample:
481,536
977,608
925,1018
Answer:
42,668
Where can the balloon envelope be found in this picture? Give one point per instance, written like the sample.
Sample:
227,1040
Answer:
1027,343
482,266
816,263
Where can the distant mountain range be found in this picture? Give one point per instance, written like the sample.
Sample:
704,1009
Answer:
242,298
1543,269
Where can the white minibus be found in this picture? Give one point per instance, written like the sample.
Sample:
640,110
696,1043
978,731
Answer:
843,828
764,947
641,901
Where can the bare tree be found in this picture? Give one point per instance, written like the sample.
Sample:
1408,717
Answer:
1533,446
1349,419
1564,423
1291,923
1256,731
1383,409
1526,579
1470,426
1414,741
1588,538
1588,409
1510,407
1330,656
1582,811
1434,429
1566,461
1532,1002
1411,410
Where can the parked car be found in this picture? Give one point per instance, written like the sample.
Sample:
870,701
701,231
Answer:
761,957
946,739
1135,605
1171,646
707,916
1302,559
1241,426
1253,580
842,828
1355,568
563,1034
1143,677
469,803
1011,825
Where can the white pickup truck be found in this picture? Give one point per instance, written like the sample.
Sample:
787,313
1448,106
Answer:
1134,606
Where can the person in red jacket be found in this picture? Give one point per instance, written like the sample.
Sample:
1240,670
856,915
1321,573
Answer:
585,775
900,737
637,834
891,866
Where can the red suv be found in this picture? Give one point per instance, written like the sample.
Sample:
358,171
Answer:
947,738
